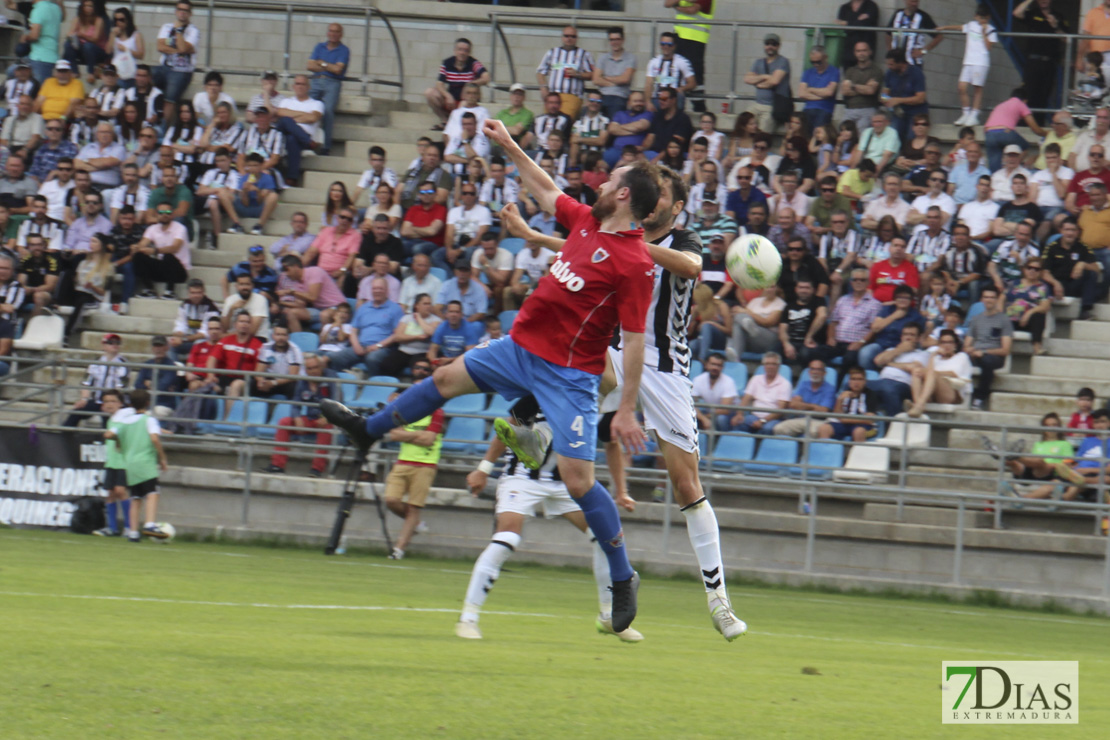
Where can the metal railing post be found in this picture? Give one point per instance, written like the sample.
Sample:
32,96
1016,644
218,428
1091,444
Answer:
366,51
208,34
958,555
492,56
1069,56
734,69
248,467
811,531
903,461
1000,481
288,43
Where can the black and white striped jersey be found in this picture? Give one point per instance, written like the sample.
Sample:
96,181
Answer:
11,294
925,249
674,72
230,137
555,64
51,231
108,373
665,345
527,411
834,249
267,144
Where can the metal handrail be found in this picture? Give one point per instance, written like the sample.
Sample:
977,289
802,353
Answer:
497,19
354,13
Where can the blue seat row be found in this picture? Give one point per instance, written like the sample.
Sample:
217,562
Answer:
775,456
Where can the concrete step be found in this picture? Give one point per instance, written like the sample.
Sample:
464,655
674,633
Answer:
225,256
1068,348
975,457
1049,386
350,104
926,476
336,164
318,182
422,120
933,516
1102,311
308,196
130,324
360,138
154,308
1067,369
995,418
1092,331
1032,403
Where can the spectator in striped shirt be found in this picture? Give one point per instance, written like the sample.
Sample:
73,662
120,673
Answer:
455,72
263,138
563,70
108,372
11,298
552,120
668,70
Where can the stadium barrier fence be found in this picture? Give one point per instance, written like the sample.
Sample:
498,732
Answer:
795,474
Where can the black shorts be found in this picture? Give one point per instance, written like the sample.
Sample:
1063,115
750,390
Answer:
7,329
142,489
114,477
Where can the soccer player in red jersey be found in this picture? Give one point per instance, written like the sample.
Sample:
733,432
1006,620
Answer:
556,350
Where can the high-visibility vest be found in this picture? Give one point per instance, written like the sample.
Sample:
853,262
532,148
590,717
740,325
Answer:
687,26
416,453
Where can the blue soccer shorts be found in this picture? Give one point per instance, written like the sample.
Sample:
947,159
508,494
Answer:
567,396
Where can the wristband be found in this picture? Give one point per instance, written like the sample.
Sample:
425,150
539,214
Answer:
485,466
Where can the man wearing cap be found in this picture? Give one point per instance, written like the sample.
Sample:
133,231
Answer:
264,278
44,29
423,225
714,273
517,119
61,94
20,83
24,130
328,63
455,73
107,372
613,73
159,376
769,76
711,222
146,95
1002,180
109,96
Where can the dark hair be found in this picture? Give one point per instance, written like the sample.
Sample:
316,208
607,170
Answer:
375,151
953,308
438,146
1019,93
1052,148
965,227
985,177
194,283
252,157
464,40
1101,414
917,328
38,199
828,180
140,398
989,288
1018,176
111,392
643,180
468,116
897,54
856,370
903,290
454,303
214,76
945,333
669,35
291,260
127,210
716,356
129,21
679,192
496,159
489,321
615,29
1086,393
868,165
142,68
701,141
344,202
589,161
742,122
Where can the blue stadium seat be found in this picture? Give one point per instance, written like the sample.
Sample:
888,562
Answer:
347,387
306,340
472,404
696,369
784,370
280,411
498,408
439,272
468,436
507,319
974,310
733,451
371,396
703,450
828,455
803,377
774,457
738,371
755,357
256,413
513,244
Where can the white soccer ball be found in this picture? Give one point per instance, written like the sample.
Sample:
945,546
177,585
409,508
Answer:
753,262
169,530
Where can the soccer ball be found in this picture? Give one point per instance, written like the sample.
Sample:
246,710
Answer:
169,530
753,262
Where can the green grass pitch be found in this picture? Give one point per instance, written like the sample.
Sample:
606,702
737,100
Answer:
106,639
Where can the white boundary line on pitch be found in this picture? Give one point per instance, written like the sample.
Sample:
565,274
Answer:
262,605
843,601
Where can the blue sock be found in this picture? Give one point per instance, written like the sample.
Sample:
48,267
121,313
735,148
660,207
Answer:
605,522
112,511
412,405
125,507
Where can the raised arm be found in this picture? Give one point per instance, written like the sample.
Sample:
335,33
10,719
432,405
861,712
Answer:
535,180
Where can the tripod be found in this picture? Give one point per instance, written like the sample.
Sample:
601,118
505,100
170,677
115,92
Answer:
347,502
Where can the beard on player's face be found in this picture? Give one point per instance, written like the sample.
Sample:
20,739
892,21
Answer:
605,207
659,218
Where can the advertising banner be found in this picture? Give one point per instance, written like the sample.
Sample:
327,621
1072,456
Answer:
42,473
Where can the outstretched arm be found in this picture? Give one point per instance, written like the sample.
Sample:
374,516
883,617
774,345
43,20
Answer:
534,180
518,227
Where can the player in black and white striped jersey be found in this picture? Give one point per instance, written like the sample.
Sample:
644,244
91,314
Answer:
524,493
564,70
666,393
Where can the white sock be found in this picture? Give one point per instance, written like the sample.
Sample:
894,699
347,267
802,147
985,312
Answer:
486,570
148,525
966,110
705,537
604,581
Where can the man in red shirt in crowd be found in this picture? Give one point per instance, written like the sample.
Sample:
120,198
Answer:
1076,196
424,223
238,351
198,355
557,348
897,270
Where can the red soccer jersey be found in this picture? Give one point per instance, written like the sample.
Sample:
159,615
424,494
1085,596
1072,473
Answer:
598,279
1081,421
198,355
231,355
885,278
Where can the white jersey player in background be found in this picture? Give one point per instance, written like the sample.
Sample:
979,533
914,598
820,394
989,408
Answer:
523,493
666,393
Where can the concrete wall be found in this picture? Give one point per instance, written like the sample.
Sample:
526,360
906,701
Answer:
255,40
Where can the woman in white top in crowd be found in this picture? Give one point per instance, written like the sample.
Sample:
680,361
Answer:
412,337
94,274
741,139
945,379
338,199
125,43
206,100
755,326
339,334
383,204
